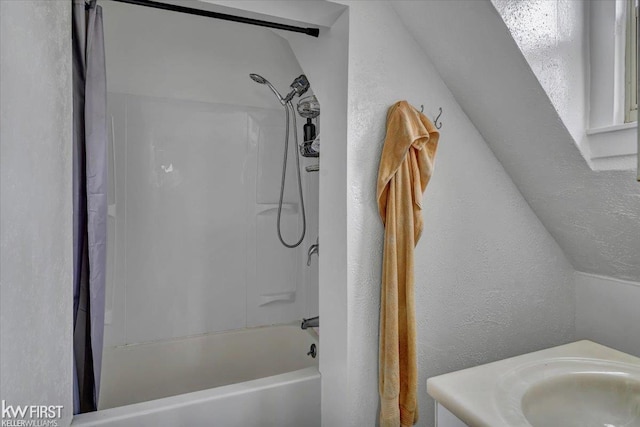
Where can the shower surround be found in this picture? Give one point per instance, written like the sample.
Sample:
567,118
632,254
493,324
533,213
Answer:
196,156
198,285
193,247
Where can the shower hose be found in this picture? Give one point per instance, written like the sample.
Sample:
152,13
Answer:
284,174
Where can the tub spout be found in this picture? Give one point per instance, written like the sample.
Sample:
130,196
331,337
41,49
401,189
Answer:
314,322
313,249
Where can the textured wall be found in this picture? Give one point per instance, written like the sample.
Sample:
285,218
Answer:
607,312
592,215
35,205
551,35
490,280
576,51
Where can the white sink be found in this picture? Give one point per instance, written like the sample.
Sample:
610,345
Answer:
582,384
570,392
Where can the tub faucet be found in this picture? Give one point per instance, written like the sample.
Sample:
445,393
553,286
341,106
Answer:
314,322
313,249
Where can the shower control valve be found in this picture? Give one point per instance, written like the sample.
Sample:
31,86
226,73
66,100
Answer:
312,351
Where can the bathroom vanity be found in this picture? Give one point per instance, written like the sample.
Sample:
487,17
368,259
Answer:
444,418
579,384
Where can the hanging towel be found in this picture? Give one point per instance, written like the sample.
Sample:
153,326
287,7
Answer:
406,165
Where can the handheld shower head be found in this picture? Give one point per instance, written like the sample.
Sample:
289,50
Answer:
259,79
299,86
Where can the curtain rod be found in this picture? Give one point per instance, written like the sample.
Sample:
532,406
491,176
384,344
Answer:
314,32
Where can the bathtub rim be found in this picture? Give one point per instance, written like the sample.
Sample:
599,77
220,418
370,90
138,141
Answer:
195,397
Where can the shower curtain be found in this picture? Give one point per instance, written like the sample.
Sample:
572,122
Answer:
89,201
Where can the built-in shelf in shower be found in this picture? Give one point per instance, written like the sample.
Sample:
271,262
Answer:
277,297
286,207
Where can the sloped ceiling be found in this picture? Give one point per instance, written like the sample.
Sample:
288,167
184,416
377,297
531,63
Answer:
594,216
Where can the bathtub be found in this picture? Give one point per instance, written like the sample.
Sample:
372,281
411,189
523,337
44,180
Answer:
253,377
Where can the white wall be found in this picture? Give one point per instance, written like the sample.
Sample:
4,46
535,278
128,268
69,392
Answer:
325,62
553,39
592,215
198,155
490,280
576,50
165,54
607,312
36,290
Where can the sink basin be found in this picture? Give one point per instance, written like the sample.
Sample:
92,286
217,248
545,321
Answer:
570,392
585,399
580,384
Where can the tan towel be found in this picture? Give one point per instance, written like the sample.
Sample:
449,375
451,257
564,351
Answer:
405,168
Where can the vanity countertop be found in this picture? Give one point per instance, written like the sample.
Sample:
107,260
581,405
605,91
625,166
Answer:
469,393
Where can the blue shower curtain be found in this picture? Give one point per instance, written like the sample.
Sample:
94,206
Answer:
89,201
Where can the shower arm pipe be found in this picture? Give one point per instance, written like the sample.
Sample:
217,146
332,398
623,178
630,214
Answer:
313,32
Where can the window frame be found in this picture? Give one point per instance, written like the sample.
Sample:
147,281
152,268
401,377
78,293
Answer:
631,63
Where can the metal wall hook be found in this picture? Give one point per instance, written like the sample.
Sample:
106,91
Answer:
435,122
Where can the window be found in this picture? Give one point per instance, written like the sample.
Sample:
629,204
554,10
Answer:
631,79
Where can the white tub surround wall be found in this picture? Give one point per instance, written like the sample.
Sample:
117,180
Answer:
490,280
36,267
141,372
592,215
198,152
607,311
193,58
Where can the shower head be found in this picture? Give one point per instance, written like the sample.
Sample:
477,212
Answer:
259,79
299,86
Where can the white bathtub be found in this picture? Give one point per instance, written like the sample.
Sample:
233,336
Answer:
255,377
